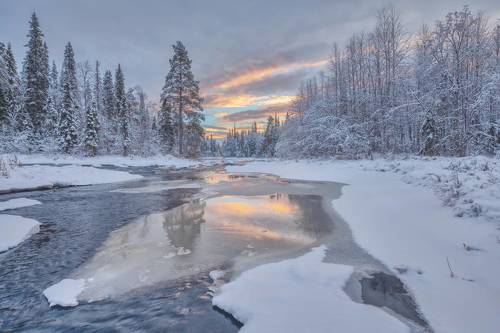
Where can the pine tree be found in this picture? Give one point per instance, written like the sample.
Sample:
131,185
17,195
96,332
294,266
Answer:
13,93
181,92
4,86
69,106
36,76
122,110
68,75
91,139
108,98
490,140
53,104
108,113
428,133
97,87
166,129
271,136
67,126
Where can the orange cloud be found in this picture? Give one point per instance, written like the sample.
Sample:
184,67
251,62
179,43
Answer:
258,74
244,100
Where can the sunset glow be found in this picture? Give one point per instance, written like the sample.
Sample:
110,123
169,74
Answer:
258,74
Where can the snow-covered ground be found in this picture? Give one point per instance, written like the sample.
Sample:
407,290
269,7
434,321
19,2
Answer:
416,215
301,295
160,160
15,229
34,176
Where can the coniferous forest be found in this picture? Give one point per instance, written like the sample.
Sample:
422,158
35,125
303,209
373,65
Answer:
81,108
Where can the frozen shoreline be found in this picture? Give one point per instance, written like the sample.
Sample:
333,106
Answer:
31,177
100,160
396,212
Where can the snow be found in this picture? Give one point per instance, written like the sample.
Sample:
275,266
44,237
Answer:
404,212
33,176
301,295
15,229
17,203
134,161
65,292
216,274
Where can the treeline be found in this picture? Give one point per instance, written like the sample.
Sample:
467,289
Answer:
246,143
436,92
82,111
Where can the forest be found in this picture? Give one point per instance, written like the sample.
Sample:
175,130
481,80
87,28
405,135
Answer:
77,110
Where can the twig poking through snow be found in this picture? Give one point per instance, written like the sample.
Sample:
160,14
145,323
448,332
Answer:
449,266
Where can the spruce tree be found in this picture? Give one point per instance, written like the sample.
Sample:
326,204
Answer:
428,133
91,139
36,76
98,87
271,136
181,93
68,75
67,126
69,105
108,98
122,110
166,129
53,104
13,92
4,86
490,140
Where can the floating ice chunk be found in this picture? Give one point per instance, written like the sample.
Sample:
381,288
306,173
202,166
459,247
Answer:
18,203
15,229
65,292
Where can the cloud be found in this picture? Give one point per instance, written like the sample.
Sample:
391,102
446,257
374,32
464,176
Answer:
221,100
217,132
259,114
261,73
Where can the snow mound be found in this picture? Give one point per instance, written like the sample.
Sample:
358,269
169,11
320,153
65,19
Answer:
65,292
34,176
216,274
122,161
15,229
301,295
17,203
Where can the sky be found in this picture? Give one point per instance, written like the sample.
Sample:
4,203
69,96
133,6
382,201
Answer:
249,55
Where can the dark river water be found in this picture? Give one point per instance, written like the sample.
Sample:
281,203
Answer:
146,248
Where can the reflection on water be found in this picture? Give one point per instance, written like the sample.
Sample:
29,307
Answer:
202,235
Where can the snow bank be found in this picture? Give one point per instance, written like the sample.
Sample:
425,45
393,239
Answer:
405,225
34,176
65,292
17,203
160,160
301,295
15,229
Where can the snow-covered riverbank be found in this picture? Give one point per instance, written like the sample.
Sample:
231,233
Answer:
416,216
45,176
116,160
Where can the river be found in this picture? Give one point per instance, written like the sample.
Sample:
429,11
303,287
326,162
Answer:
146,249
